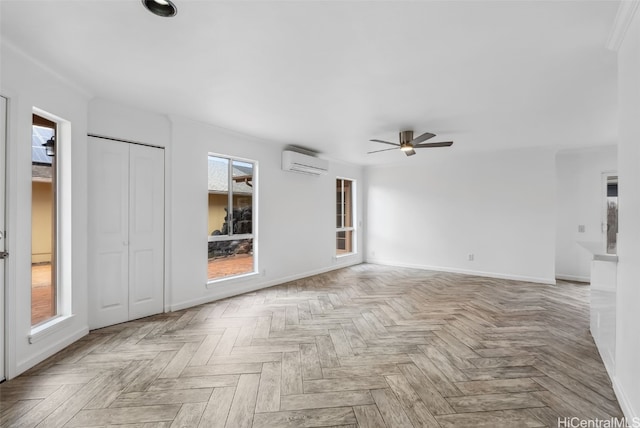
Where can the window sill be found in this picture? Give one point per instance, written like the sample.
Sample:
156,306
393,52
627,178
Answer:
339,256
226,279
50,327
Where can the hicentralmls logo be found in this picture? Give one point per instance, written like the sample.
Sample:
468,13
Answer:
575,422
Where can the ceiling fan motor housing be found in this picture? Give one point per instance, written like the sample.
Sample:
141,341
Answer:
405,137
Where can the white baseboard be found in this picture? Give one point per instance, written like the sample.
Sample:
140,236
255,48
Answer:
49,351
575,278
625,404
241,288
539,280
629,412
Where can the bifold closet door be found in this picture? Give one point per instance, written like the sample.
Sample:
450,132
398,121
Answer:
146,231
126,232
108,233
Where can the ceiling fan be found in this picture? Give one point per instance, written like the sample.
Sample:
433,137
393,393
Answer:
408,143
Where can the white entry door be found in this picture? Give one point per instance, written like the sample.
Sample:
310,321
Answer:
3,163
126,232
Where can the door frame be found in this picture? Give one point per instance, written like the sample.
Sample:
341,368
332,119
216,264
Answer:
10,194
101,139
4,105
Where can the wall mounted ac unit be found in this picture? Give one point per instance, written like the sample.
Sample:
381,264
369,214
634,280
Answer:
303,164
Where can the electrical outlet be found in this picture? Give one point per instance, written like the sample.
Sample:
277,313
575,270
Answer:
581,228
470,257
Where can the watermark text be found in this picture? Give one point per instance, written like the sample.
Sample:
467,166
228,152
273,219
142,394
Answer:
576,422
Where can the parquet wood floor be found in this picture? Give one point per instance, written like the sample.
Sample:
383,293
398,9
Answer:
368,346
42,292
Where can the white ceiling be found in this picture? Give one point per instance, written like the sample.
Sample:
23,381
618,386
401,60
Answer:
330,75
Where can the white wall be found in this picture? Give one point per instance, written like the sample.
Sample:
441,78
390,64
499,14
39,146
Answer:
27,85
627,376
580,201
296,226
112,119
434,209
296,218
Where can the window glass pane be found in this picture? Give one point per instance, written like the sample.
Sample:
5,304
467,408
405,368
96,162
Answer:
43,221
242,197
231,257
612,214
218,195
348,216
344,242
344,216
339,206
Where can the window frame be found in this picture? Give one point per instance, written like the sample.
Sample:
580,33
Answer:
343,216
254,216
63,227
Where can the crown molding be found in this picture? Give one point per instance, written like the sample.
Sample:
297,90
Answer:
626,12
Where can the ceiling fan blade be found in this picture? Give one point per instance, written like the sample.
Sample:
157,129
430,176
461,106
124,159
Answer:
409,152
383,150
427,145
421,138
385,142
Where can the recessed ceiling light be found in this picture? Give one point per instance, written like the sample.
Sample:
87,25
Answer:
164,8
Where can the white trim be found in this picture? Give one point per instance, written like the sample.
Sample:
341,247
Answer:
573,278
538,280
354,212
63,212
340,256
168,215
255,197
230,279
223,238
11,215
4,119
50,350
624,17
245,288
608,361
50,327
624,402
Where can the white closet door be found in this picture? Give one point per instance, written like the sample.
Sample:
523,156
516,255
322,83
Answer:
146,231
108,233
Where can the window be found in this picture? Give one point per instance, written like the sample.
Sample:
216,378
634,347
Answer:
345,232
44,293
232,185
612,214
